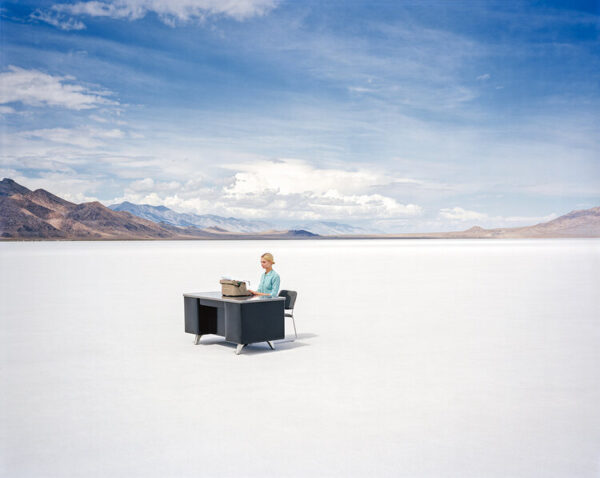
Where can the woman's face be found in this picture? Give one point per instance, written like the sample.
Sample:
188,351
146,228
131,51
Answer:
265,264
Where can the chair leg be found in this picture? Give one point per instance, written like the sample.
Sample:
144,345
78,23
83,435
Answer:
271,345
294,322
197,339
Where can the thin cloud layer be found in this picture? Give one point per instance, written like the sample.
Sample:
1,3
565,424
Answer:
36,88
83,137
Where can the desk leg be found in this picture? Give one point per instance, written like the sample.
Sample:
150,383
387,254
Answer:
239,348
197,339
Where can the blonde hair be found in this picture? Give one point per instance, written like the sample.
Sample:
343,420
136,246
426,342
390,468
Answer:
268,256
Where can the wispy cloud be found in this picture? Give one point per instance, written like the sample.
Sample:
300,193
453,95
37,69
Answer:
85,137
169,12
57,19
36,88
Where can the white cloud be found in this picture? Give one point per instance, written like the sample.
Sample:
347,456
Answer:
150,185
484,77
99,119
460,214
295,189
335,205
289,176
4,110
360,89
169,11
58,20
35,88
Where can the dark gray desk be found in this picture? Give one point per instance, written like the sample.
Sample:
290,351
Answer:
241,320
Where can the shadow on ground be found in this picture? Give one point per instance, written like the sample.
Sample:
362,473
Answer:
289,343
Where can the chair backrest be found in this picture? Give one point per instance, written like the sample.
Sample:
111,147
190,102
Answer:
290,298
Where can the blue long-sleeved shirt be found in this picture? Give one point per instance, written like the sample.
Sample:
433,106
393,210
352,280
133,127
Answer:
269,283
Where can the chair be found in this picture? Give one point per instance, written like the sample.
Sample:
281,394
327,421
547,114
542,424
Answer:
290,300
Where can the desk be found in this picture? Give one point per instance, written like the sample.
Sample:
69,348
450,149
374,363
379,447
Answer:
241,320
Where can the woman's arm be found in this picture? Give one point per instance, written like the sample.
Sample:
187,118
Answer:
275,285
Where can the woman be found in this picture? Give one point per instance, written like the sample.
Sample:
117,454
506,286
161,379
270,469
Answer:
269,281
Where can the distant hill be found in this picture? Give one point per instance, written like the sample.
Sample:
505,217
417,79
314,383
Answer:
39,214
581,223
326,228
162,214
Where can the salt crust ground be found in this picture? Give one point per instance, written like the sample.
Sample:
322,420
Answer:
415,358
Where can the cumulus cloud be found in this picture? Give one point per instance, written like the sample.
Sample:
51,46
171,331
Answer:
36,88
169,11
297,189
289,176
460,214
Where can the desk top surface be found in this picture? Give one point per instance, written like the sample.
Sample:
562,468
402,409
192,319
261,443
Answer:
216,295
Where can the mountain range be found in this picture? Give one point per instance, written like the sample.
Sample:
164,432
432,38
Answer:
26,214
39,215
162,214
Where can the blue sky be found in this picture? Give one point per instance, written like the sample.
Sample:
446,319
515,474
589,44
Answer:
395,116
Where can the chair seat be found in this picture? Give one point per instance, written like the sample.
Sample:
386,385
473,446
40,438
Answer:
287,314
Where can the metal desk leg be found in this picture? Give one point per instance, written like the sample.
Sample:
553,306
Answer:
239,348
197,339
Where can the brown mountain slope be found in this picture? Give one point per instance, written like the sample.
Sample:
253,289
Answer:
49,200
8,187
582,223
112,224
26,214
21,218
